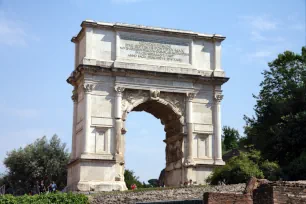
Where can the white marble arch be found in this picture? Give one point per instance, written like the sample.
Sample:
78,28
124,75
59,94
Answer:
172,74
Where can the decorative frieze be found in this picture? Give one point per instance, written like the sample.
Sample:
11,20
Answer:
176,100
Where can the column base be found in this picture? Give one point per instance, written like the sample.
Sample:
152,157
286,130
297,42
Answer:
219,162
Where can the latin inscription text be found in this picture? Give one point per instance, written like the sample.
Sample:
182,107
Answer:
155,50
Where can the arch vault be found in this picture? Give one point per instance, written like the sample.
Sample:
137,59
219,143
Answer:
172,74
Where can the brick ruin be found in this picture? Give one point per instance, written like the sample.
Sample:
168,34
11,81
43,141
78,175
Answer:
261,191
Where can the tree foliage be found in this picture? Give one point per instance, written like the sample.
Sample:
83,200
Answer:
41,160
296,169
230,138
240,168
130,178
278,128
153,182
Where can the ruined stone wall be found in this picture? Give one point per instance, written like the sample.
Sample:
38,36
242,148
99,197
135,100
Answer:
227,198
164,194
267,193
262,193
280,192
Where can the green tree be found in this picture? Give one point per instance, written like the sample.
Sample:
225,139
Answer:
153,182
296,169
230,138
278,128
41,160
130,178
240,168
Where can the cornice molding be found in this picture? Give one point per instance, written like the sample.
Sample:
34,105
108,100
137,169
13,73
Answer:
146,29
81,69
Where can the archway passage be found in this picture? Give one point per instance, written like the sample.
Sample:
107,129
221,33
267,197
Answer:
167,116
144,146
173,139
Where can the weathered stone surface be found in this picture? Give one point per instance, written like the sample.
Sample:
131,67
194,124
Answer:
227,198
189,193
172,74
280,192
262,191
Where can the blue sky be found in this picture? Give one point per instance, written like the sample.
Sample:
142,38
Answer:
37,57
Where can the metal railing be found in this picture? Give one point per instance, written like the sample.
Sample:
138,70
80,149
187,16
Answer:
2,190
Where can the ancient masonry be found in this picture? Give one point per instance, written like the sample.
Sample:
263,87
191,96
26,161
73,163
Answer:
175,75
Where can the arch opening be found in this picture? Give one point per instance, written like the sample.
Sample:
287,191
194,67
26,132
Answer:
173,139
144,146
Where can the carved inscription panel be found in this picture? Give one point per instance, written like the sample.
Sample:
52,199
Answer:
144,48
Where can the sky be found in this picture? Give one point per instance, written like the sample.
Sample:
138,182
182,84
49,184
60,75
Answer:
37,57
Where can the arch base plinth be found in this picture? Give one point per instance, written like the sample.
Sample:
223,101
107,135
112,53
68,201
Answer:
95,175
98,186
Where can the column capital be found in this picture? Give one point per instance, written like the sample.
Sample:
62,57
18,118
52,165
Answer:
119,89
189,162
190,95
88,87
218,96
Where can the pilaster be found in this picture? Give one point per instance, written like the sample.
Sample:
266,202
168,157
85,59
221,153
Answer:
189,121
74,98
87,116
217,126
118,122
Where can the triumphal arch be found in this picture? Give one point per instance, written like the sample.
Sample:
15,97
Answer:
174,75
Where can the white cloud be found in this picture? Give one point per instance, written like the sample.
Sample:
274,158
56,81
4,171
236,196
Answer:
260,28
260,23
267,53
13,32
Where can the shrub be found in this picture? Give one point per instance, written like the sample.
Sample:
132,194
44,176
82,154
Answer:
296,170
271,170
238,170
130,178
54,198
